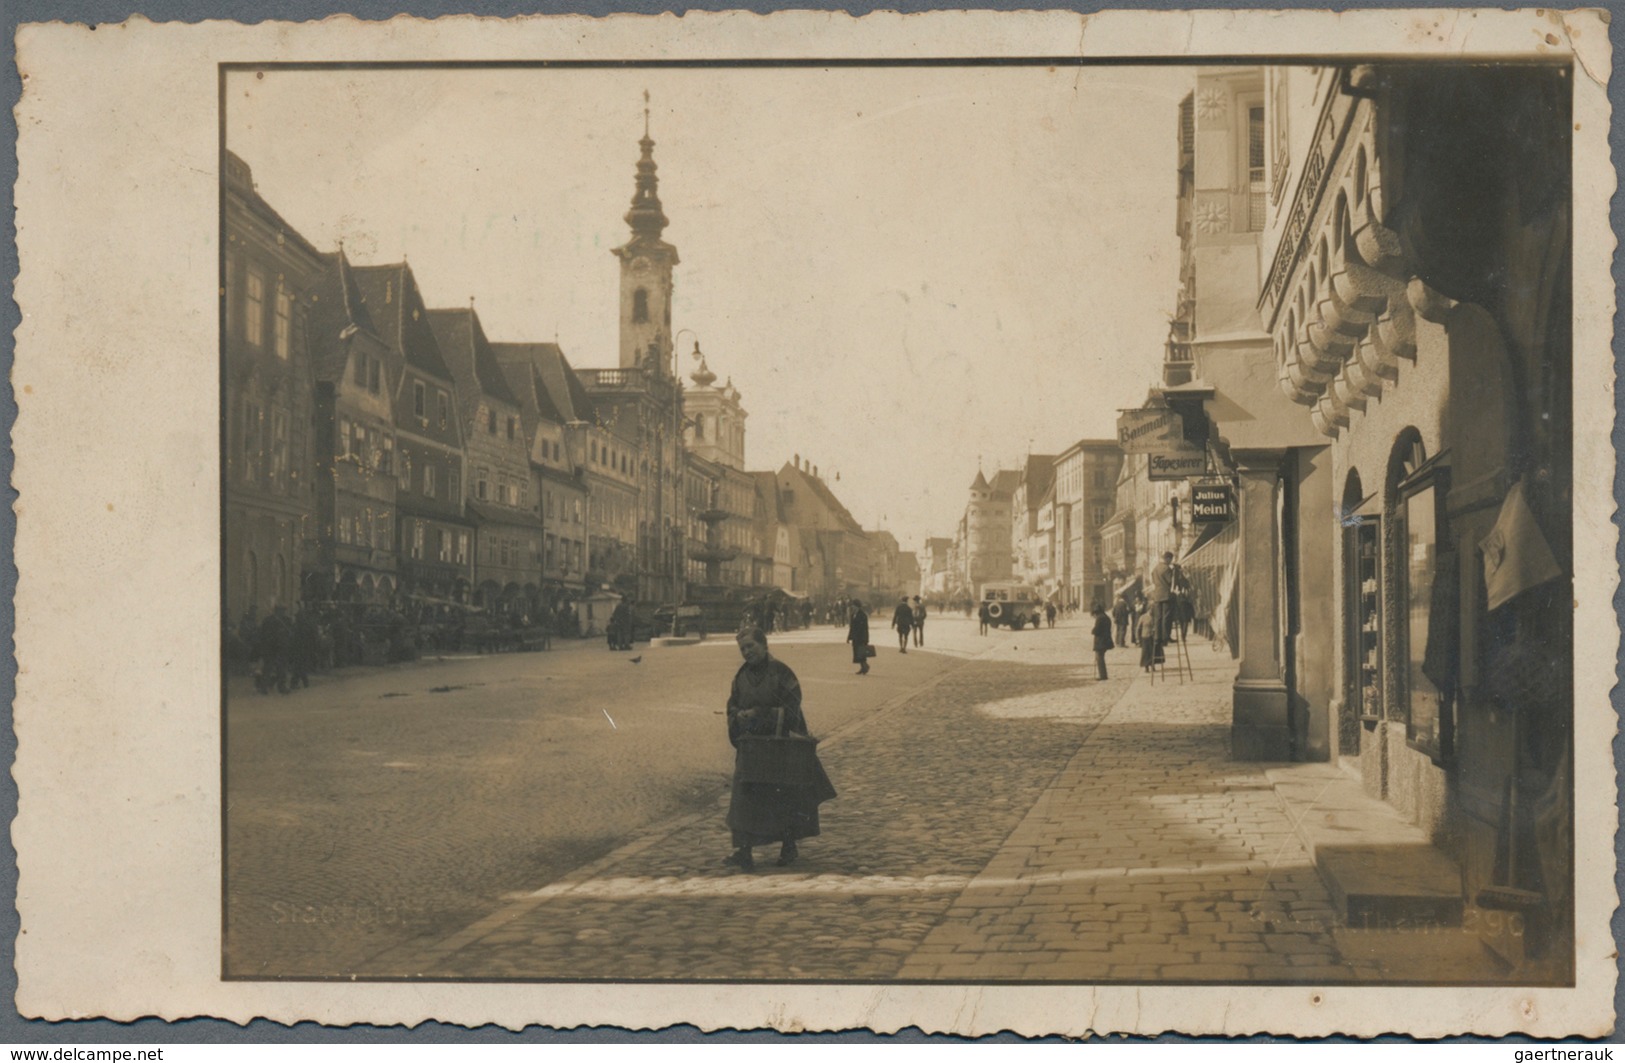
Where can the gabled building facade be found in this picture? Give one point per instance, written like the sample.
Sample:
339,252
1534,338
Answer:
553,407
497,490
271,523
434,539
839,559
355,377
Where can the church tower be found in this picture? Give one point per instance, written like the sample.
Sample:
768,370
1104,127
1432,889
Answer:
646,271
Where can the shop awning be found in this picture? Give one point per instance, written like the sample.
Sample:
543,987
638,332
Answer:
1128,588
1208,533
1210,568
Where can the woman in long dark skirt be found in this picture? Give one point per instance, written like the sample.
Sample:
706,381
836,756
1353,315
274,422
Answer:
766,700
857,633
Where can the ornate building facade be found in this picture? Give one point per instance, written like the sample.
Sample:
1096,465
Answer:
1388,391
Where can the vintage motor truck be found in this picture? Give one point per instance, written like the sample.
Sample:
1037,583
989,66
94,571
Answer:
1012,604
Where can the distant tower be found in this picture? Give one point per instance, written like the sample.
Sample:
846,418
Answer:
646,270
715,417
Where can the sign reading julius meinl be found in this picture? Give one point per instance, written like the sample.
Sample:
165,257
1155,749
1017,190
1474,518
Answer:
1176,464
1210,503
1150,431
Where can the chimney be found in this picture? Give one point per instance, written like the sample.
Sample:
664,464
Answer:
796,461
815,472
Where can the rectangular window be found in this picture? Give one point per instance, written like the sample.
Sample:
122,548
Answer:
420,405
344,528
375,375
513,427
417,539
444,538
404,479
445,408
491,421
360,369
254,312
481,484
279,449
386,462
343,448
428,480
284,322
462,548
1255,168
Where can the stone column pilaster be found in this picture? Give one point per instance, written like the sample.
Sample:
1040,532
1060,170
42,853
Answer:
1260,727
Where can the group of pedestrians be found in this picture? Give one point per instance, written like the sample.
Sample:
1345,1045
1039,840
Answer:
284,649
909,620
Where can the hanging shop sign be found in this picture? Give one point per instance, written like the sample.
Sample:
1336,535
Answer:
1210,503
1150,431
1179,464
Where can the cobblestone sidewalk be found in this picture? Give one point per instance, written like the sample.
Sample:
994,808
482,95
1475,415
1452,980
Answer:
1013,820
1152,857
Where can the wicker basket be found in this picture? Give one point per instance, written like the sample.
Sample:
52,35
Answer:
787,760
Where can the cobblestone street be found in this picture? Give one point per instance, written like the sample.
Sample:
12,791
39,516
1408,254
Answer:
1012,819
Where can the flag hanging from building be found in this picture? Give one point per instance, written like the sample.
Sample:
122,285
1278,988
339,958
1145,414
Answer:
1516,555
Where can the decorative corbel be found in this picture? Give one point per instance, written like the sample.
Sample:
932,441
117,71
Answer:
1331,408
1433,305
1397,331
1375,357
1378,246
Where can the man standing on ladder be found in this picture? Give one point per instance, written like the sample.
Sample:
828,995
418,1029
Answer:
1165,577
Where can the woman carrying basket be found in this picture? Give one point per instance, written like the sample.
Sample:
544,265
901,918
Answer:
773,800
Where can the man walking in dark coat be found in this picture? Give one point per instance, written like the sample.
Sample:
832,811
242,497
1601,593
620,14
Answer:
902,618
1103,639
919,621
1120,614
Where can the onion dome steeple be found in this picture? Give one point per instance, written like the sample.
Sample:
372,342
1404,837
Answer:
646,218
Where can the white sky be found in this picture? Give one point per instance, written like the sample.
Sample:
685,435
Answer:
902,270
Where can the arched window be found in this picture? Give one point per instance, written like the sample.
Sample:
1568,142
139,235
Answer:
640,306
